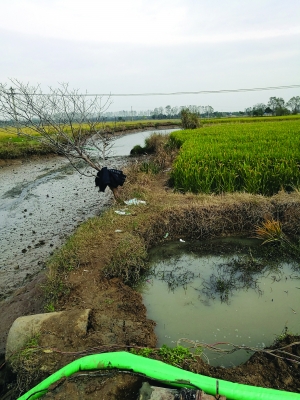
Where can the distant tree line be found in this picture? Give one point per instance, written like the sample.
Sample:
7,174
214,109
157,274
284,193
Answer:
167,112
275,106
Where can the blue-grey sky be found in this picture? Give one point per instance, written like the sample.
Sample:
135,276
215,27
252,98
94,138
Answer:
138,46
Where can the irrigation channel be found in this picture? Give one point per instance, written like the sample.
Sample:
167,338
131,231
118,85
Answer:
42,202
226,290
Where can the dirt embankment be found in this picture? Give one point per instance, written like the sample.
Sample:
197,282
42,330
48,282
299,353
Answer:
118,317
118,322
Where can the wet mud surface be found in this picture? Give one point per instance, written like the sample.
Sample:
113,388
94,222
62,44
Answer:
42,202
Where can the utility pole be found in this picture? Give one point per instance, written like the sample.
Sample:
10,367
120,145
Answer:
12,92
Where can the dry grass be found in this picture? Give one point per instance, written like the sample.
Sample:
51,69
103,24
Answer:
270,231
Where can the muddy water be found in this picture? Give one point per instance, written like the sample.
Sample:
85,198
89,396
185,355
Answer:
41,203
184,306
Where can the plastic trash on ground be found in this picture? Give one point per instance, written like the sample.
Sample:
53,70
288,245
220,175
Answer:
134,202
122,212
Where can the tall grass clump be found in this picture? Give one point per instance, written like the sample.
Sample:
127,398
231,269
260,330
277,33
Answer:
128,261
256,158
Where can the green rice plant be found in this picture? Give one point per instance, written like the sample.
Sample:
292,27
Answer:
245,120
256,158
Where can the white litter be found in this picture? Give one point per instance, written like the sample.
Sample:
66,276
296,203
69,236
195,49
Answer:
120,212
134,202
118,230
181,240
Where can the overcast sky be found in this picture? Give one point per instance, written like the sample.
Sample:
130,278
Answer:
148,46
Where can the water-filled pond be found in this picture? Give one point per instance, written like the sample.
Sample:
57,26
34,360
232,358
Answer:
222,291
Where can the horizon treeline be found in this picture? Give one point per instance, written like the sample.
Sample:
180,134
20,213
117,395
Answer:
276,106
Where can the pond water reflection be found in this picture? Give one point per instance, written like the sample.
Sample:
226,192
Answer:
231,295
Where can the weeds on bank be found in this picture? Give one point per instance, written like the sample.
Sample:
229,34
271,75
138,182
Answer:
59,265
164,153
29,347
25,363
115,254
270,231
128,261
176,356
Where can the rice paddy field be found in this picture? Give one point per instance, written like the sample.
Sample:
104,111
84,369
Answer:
245,120
260,158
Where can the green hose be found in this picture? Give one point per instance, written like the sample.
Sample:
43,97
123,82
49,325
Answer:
162,372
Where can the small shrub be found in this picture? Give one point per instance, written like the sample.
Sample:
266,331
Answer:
153,142
189,120
137,150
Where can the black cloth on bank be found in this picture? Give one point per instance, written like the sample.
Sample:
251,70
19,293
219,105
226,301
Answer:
109,177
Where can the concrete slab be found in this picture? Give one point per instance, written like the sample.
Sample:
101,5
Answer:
25,328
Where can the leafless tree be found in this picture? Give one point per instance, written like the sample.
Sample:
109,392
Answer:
294,104
209,110
68,122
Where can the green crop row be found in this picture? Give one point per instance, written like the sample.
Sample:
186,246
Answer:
256,158
244,120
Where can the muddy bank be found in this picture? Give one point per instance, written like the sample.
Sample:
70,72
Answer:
42,202
40,208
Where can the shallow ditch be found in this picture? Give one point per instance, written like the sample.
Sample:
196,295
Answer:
231,291
42,201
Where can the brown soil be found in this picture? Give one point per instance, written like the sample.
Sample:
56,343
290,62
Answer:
118,317
118,321
25,301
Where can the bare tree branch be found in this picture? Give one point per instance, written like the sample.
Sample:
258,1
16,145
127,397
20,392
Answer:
68,122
